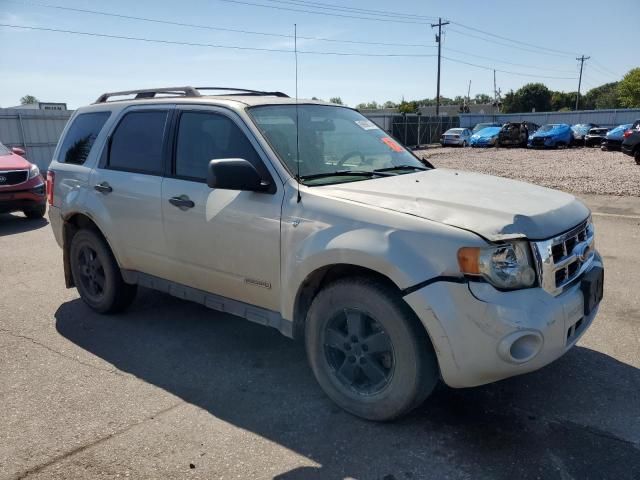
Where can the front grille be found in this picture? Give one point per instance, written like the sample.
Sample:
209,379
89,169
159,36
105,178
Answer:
562,259
13,177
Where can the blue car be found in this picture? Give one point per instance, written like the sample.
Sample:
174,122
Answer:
486,137
552,135
613,139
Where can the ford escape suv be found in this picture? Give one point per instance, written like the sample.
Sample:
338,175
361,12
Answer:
306,217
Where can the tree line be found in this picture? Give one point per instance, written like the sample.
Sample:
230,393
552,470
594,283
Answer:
532,96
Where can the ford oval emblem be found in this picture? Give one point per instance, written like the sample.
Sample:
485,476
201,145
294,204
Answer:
582,251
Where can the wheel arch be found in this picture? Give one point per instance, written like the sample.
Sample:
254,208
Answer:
73,223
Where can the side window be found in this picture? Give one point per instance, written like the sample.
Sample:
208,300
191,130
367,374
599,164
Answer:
206,136
136,145
84,130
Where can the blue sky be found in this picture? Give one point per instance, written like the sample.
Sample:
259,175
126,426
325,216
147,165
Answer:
76,69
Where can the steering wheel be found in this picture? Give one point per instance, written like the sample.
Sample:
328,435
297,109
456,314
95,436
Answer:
348,155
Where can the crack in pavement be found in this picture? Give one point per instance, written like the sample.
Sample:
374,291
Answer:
36,342
86,446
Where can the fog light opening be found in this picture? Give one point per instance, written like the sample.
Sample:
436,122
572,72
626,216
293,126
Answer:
520,347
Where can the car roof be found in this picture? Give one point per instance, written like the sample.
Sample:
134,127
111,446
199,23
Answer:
233,97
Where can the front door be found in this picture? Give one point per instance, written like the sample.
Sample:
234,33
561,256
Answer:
225,242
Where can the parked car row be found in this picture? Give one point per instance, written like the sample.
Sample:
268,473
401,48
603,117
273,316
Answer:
624,137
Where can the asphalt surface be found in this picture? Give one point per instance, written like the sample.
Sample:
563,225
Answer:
170,389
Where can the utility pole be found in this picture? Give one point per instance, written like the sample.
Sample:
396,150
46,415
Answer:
581,60
469,93
439,42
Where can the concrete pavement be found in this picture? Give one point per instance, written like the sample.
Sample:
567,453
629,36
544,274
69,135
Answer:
170,389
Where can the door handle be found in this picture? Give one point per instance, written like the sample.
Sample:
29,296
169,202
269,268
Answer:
182,202
103,187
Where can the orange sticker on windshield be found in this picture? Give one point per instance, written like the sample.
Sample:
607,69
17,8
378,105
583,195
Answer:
391,143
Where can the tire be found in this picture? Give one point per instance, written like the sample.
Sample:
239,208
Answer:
464,144
96,274
368,350
636,156
36,213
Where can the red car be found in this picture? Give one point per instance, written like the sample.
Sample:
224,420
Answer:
22,187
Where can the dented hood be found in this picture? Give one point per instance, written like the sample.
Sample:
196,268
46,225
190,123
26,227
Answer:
493,207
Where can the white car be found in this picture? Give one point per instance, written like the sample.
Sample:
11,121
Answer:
306,217
456,136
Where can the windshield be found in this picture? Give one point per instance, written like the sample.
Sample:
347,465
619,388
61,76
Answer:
4,150
331,140
481,126
547,128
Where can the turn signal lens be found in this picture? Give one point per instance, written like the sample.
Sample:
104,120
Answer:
468,260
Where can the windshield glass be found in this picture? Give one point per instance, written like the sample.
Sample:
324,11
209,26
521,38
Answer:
481,126
331,139
547,128
4,150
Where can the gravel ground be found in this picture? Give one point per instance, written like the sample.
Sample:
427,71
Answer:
578,170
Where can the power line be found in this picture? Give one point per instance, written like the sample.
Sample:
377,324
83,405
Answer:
602,68
209,27
527,44
521,74
211,45
333,6
505,44
323,13
462,52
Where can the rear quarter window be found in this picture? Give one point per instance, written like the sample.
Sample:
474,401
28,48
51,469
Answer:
82,133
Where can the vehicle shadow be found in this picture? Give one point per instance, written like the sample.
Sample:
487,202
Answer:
573,419
13,224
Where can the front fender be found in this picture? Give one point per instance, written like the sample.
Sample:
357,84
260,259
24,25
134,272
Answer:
322,231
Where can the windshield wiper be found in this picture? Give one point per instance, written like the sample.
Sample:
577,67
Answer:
347,173
400,167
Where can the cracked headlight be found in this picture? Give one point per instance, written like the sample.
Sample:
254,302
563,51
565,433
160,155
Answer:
506,266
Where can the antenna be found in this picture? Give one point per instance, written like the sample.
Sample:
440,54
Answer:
295,50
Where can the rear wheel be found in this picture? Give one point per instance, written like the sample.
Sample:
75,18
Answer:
368,350
636,156
97,275
35,213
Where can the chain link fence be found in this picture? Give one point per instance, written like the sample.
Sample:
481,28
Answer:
413,130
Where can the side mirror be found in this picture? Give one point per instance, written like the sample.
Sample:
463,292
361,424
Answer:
235,174
18,151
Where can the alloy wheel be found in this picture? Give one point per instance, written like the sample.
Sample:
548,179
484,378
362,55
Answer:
359,352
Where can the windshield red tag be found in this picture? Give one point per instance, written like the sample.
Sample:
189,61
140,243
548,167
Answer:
391,143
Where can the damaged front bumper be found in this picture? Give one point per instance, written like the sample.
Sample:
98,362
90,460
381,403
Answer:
482,335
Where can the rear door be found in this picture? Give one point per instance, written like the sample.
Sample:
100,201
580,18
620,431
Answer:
127,188
225,242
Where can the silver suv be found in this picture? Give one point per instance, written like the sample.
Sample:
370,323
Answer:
306,217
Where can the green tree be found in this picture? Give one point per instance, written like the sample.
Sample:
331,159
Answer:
336,100
408,107
629,89
563,101
368,106
482,98
28,100
390,104
604,96
527,98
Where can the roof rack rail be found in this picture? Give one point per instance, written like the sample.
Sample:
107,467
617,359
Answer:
245,91
151,93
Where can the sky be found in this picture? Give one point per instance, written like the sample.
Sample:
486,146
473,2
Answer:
532,41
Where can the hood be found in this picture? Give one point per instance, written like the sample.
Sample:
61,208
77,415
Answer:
487,132
556,130
13,162
493,207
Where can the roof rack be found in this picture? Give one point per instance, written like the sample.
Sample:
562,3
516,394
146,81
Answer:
244,91
151,93
183,92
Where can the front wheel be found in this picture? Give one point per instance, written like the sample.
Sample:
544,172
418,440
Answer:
465,144
368,351
97,275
